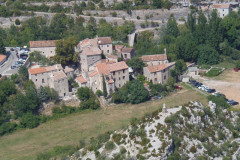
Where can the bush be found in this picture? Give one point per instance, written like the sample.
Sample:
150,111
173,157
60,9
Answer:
193,149
17,22
213,72
29,120
219,101
8,127
99,93
114,14
109,145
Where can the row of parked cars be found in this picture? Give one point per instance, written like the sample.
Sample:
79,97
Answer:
18,63
212,91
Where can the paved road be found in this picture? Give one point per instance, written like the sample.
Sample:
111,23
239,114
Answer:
6,67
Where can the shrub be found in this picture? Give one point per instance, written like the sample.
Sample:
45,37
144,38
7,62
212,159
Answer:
219,101
193,149
99,93
114,14
29,120
117,138
138,17
123,150
82,143
109,145
17,22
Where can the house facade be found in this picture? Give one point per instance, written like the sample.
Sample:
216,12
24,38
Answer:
105,44
52,76
222,9
157,59
158,74
128,53
46,48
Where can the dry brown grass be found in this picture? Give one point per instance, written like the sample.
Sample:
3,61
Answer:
26,144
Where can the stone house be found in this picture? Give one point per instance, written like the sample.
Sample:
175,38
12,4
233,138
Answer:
52,76
128,53
46,48
81,81
158,74
118,49
112,58
193,71
69,72
156,59
105,44
222,9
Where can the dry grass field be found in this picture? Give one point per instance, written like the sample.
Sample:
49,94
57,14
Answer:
26,144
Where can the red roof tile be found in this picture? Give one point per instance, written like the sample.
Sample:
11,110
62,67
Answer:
111,56
40,44
127,50
81,79
2,57
104,40
221,6
157,68
110,81
91,51
157,57
93,74
117,66
58,75
33,71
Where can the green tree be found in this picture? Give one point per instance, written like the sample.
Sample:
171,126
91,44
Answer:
23,73
104,87
180,66
207,55
137,92
238,64
137,64
51,93
2,47
42,94
17,22
172,28
83,93
65,51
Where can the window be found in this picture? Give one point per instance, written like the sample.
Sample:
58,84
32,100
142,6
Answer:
164,77
43,81
107,45
107,51
114,73
123,71
155,73
119,85
36,80
125,55
118,73
164,70
51,51
123,77
119,78
155,79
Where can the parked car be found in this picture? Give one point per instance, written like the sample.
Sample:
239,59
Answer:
178,87
211,90
232,102
11,49
235,69
192,81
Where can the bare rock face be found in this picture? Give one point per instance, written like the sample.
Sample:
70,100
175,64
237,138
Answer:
189,132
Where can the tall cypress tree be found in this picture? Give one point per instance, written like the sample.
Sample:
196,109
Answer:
104,87
2,47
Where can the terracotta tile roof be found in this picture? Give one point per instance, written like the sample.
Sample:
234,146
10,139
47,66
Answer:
88,43
127,50
104,40
221,6
157,57
118,47
2,57
91,51
157,68
81,79
117,66
58,75
55,67
103,69
111,56
33,71
41,44
93,74
110,81
66,70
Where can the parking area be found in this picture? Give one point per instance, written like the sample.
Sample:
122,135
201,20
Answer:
228,83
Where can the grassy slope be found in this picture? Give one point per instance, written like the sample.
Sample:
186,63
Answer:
26,144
